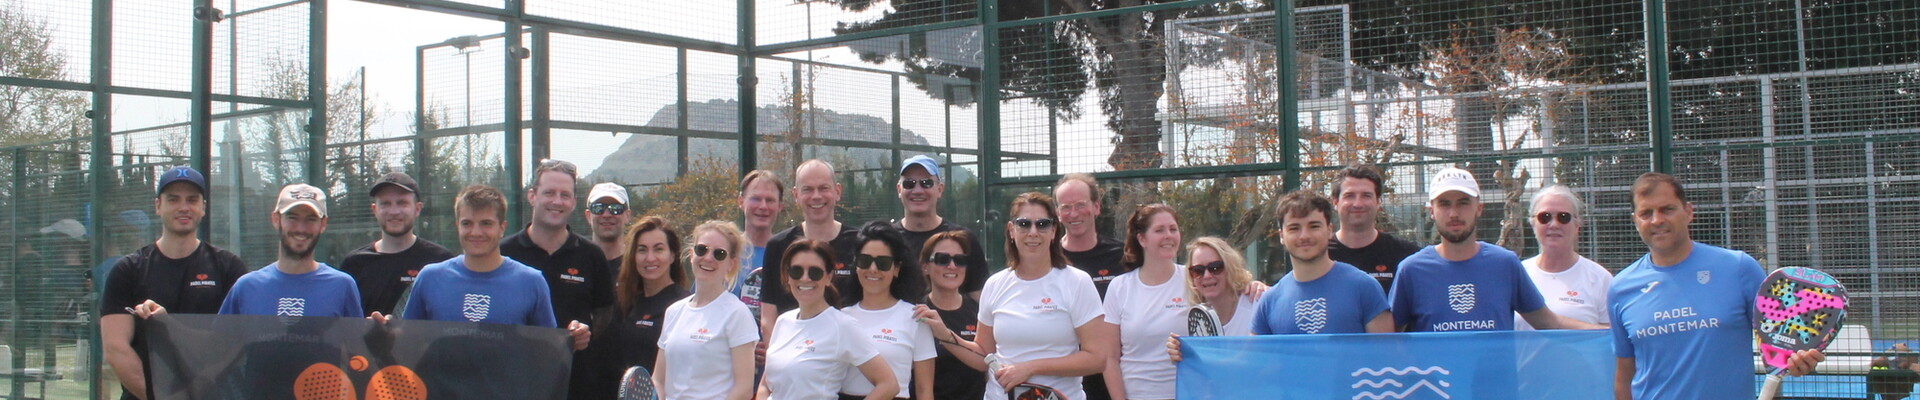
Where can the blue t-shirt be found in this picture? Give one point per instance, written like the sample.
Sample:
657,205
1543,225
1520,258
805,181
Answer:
325,292
513,294
1342,301
1687,327
1434,294
747,265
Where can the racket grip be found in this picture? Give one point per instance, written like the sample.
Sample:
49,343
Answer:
1770,389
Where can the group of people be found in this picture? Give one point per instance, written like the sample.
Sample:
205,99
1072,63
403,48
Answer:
908,308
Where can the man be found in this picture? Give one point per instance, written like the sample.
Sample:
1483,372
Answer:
1342,296
1683,314
1463,284
481,285
1356,194
1894,387
385,269
295,285
178,272
1079,196
574,267
761,197
920,190
607,214
1572,285
818,195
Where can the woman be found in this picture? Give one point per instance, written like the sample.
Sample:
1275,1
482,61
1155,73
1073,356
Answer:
1217,276
706,345
1147,303
650,279
953,317
1050,314
813,347
887,275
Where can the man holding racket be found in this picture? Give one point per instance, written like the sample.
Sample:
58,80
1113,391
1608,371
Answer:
1683,313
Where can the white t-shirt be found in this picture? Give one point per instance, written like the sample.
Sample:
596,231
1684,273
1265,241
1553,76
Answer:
807,359
1579,293
1146,315
900,340
698,343
1242,322
1035,320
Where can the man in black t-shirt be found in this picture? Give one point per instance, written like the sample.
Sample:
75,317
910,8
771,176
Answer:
177,273
1079,197
1356,193
817,193
921,186
608,215
575,269
385,269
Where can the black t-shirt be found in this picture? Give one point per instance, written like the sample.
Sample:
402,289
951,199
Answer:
1105,261
638,332
196,284
773,288
954,380
577,279
976,258
383,277
1380,259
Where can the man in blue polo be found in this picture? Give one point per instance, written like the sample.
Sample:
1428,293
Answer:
295,285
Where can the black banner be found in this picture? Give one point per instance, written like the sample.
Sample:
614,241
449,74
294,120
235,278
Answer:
200,356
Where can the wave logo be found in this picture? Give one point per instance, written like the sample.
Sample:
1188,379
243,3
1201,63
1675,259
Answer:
1310,315
291,307
476,306
1387,383
1460,297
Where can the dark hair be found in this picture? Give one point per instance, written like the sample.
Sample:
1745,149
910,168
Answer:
1360,171
779,188
1644,185
1046,203
481,197
822,249
1136,253
552,165
959,237
1300,203
910,283
1093,186
631,286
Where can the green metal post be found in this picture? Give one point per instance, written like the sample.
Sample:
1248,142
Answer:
1659,88
511,122
200,115
989,145
542,103
1289,95
681,107
102,159
749,81
317,92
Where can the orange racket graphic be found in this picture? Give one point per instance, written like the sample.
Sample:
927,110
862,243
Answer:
396,383
323,381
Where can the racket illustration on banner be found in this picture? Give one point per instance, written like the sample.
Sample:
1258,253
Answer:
1029,391
323,381
1202,321
1799,309
396,383
637,384
750,293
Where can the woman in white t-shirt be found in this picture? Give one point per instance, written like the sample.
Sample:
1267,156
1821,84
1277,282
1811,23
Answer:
813,348
888,274
1040,318
1572,285
707,340
1217,276
1148,304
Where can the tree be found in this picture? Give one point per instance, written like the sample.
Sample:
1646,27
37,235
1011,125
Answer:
35,115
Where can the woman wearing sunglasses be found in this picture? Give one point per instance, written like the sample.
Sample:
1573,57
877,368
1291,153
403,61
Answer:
887,274
1048,317
1573,285
1148,304
706,344
953,317
814,348
1217,276
650,279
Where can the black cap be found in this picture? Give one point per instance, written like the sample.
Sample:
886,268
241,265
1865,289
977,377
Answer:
181,174
396,179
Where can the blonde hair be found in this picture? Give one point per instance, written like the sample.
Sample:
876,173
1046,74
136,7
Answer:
736,244
1237,275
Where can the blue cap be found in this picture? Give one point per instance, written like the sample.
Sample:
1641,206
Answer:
927,163
181,174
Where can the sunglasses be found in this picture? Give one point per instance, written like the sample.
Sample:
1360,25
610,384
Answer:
947,260
1216,268
811,273
1564,218
719,254
603,208
1043,223
908,183
882,263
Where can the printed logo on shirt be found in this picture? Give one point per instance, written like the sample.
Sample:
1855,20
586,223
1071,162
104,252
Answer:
1460,297
1310,315
1046,304
645,320
291,307
411,274
573,276
886,335
701,336
1573,298
475,306
1176,303
201,281
807,346
1673,321
1703,276
1649,287
969,332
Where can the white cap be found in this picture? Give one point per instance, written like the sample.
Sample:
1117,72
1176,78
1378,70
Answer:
68,227
301,194
1453,180
608,189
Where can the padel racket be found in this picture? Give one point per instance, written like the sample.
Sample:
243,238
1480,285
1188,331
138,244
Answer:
1799,309
1030,391
1202,321
637,385
750,293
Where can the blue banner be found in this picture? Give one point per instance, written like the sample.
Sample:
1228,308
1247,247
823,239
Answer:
1400,366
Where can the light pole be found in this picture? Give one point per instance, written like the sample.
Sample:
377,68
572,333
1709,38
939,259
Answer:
465,47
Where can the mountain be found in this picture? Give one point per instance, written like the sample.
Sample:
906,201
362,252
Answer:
644,159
